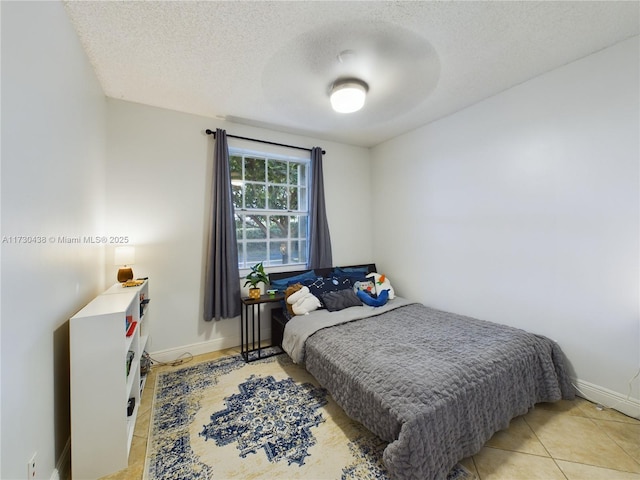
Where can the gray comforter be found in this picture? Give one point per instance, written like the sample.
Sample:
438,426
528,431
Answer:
435,385
300,327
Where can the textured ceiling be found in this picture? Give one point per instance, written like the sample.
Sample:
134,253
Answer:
271,64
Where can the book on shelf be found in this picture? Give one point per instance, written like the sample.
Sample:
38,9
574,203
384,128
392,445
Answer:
132,328
130,356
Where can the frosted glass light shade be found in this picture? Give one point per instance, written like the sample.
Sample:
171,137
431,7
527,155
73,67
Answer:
348,96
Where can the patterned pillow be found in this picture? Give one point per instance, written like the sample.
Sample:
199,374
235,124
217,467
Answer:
320,286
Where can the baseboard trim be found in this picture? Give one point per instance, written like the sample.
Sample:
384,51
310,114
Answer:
172,354
63,465
608,398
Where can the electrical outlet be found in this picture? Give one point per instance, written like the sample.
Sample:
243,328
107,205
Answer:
31,468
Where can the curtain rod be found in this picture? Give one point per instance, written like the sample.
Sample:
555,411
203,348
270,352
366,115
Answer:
211,132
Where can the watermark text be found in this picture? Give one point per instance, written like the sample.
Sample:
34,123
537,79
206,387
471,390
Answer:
65,239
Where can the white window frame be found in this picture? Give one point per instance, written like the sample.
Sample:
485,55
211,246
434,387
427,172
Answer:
303,211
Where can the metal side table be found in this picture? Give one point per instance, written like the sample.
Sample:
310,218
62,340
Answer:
251,345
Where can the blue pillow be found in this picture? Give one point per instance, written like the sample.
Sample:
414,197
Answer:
281,284
362,271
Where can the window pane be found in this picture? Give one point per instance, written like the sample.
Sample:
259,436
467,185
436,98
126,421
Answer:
294,226
303,199
293,173
278,253
241,261
239,227
279,226
255,196
236,193
256,252
293,198
294,253
255,227
277,198
304,222
254,169
300,253
235,165
303,174
277,172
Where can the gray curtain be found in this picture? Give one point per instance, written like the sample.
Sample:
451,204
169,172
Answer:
319,238
222,282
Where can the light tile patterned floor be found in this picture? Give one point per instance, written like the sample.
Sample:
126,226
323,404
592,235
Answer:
567,440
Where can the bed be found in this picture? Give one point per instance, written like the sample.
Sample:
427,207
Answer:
434,385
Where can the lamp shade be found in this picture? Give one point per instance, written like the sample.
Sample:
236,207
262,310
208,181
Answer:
348,96
124,256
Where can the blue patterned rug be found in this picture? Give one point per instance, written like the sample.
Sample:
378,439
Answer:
226,419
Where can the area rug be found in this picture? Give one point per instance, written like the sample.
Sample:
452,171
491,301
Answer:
268,419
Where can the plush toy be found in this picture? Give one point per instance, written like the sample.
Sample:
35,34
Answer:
291,289
303,301
382,298
382,283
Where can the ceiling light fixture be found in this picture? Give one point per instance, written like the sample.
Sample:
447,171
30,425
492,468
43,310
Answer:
348,95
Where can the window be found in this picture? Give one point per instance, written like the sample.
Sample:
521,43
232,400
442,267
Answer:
270,199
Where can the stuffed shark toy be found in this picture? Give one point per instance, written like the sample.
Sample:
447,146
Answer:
382,283
382,298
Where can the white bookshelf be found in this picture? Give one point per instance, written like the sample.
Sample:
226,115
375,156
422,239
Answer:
101,430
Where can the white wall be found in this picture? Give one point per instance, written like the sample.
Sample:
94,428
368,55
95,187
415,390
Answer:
159,179
524,209
53,146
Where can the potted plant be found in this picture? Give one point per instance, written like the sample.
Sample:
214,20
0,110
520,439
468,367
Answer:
256,276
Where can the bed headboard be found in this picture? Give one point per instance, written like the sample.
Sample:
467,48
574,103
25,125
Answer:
321,272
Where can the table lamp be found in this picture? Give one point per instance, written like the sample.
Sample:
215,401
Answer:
125,257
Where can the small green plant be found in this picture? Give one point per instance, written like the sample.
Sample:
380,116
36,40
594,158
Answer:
256,276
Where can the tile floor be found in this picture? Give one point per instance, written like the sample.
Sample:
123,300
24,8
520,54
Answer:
567,440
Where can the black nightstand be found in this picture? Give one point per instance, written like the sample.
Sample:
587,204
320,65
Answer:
278,322
252,349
